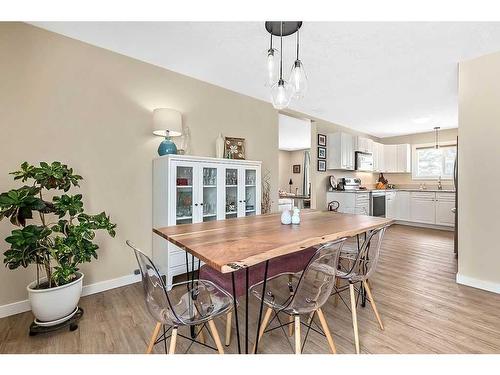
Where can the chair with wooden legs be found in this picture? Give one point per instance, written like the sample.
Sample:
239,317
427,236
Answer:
290,263
355,267
302,293
190,303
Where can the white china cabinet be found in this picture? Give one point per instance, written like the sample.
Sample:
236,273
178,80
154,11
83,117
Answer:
191,189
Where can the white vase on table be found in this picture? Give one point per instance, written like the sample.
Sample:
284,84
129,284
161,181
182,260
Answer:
286,217
296,216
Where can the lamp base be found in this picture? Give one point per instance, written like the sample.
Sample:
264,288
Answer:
167,147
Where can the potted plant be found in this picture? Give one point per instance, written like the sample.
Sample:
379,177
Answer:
57,241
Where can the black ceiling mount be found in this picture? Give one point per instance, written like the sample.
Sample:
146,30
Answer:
289,27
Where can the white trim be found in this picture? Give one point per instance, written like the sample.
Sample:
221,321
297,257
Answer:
22,306
192,158
425,225
479,284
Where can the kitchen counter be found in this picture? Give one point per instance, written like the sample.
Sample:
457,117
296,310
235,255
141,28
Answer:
389,190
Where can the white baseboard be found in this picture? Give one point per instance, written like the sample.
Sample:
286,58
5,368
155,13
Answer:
479,284
22,306
424,225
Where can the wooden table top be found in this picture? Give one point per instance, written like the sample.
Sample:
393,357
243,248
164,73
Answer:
228,245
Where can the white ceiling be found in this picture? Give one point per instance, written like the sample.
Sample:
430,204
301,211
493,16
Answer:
384,79
294,133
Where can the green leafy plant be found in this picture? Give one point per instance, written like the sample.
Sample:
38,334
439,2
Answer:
63,236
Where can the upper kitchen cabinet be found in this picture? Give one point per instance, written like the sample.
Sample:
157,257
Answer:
378,157
403,159
390,158
396,158
341,151
363,144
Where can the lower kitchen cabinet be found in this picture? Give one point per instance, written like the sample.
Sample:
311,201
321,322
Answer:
444,204
423,207
403,202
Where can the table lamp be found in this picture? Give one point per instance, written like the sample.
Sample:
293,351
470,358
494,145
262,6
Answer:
167,123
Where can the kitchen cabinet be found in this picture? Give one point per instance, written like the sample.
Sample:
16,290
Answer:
364,144
403,205
444,203
403,159
390,158
351,202
378,157
391,207
423,207
189,189
340,151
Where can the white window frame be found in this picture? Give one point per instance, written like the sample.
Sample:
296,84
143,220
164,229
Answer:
414,159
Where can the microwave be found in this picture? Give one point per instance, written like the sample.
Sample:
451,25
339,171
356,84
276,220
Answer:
364,161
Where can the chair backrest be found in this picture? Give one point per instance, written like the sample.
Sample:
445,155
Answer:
318,278
155,293
367,258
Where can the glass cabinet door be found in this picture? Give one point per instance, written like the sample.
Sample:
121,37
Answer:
231,204
209,194
250,191
184,194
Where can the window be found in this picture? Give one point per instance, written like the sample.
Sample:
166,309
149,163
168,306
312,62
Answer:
430,163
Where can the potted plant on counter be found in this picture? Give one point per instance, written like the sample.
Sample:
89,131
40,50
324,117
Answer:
58,240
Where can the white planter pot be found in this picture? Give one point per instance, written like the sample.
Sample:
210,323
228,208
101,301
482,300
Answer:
55,303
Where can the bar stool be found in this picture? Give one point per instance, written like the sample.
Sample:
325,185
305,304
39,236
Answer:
190,303
302,293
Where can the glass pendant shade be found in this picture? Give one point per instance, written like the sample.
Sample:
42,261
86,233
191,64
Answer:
272,67
298,79
281,93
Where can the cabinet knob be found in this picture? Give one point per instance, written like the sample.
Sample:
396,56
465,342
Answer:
241,201
201,204
196,204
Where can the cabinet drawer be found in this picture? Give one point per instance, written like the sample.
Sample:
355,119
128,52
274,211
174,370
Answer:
445,197
423,195
178,258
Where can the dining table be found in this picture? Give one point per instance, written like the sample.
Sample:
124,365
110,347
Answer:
241,243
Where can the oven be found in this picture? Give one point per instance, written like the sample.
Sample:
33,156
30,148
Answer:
378,203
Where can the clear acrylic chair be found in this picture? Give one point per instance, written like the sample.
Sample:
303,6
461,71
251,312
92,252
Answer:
190,303
302,293
356,266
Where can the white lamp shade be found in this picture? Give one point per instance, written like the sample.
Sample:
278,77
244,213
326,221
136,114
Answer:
167,122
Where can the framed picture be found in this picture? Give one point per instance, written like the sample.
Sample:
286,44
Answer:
296,168
322,140
321,152
321,165
234,148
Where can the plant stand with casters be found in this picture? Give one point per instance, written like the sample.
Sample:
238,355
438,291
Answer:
72,323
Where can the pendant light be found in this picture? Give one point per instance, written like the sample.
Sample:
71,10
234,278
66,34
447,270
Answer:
281,92
298,78
436,130
272,71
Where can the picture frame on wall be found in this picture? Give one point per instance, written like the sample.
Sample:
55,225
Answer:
322,140
234,148
296,168
321,165
321,152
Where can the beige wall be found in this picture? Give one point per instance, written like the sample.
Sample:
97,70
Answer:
479,153
445,135
61,99
286,161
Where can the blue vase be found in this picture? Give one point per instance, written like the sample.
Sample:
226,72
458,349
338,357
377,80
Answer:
167,147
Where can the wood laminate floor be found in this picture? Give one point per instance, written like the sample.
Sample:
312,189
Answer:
423,309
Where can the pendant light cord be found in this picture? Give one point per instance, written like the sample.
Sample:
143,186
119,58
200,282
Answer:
281,50
298,44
